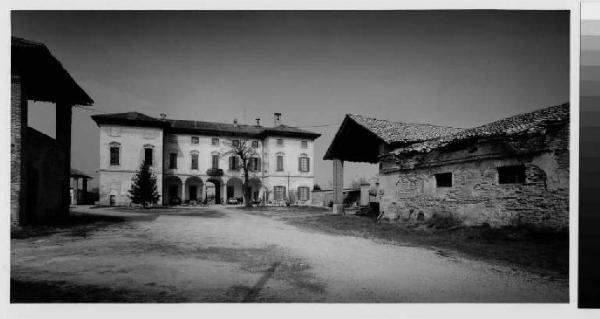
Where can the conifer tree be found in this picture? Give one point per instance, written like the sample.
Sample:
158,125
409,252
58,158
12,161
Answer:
143,187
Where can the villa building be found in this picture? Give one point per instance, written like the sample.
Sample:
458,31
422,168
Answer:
191,162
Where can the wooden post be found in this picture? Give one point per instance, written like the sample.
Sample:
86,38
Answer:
84,191
338,186
63,138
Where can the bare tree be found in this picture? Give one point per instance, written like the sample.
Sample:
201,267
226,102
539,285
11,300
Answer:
243,149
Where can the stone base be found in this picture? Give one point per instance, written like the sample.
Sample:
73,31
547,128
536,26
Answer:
338,209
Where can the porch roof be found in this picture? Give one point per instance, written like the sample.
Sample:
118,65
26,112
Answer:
359,138
43,76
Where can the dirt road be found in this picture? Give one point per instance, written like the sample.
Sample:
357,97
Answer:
220,255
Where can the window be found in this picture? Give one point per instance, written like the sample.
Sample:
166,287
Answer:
214,141
194,161
303,163
443,180
511,174
279,192
148,155
234,163
254,144
235,143
195,140
279,163
254,165
304,144
114,155
279,142
215,161
303,193
115,152
173,160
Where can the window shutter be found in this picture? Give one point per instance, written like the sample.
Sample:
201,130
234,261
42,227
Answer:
300,164
308,164
230,162
258,164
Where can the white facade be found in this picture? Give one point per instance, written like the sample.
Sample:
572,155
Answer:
115,180
187,182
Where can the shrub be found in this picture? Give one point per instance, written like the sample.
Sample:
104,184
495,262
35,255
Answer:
442,220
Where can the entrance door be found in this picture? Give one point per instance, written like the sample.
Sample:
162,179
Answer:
229,192
172,192
193,193
111,200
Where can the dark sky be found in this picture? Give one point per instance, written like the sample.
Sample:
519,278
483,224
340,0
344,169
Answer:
455,68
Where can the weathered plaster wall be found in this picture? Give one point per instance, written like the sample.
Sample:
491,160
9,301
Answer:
476,196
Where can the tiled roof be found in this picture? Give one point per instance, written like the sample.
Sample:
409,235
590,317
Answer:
391,132
527,122
43,76
189,126
214,127
129,116
78,173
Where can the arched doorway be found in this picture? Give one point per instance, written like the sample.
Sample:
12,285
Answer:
172,190
234,190
255,189
213,191
193,189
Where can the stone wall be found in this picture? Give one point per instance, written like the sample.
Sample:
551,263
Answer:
476,196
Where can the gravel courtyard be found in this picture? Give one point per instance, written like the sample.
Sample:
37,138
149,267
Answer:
218,254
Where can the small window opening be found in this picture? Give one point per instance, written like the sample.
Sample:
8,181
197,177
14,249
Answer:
443,180
511,174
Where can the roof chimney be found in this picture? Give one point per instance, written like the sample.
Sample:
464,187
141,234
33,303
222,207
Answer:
277,119
163,116
257,122
235,122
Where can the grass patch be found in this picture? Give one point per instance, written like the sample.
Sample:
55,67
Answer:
544,253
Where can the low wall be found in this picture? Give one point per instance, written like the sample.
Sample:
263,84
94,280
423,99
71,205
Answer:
324,197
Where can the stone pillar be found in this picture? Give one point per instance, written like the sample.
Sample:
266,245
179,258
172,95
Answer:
183,186
63,138
18,167
338,186
364,194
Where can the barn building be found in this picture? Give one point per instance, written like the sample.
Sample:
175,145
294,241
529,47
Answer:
509,172
191,162
40,165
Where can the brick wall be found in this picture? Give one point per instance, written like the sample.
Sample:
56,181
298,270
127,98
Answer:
476,196
18,120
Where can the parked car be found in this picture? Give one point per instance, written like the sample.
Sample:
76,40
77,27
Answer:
232,201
